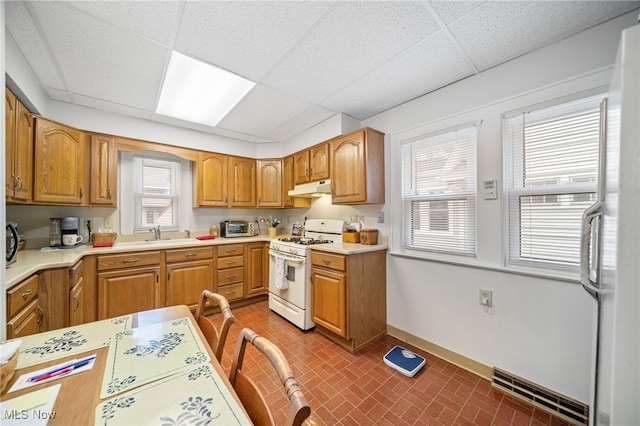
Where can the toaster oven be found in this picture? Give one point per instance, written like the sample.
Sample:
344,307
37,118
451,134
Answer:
237,228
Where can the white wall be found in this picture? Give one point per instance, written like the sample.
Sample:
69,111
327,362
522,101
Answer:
540,329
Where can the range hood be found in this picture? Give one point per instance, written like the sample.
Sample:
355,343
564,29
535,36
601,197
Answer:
313,189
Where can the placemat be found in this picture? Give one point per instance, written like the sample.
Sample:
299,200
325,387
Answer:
195,396
56,344
145,354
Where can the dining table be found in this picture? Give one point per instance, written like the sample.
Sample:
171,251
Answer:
150,367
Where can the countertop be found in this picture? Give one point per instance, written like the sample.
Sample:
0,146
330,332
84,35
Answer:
31,261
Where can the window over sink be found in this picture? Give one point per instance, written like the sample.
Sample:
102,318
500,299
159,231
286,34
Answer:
155,190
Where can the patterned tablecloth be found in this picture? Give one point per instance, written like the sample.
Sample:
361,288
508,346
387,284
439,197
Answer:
142,355
194,396
52,345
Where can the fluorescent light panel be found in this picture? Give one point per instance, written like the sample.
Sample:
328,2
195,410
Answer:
198,92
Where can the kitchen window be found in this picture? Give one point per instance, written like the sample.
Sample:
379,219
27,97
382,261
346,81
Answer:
551,170
439,192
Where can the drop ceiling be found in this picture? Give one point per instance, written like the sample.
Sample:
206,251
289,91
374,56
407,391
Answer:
310,59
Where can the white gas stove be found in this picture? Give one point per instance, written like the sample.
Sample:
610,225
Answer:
290,270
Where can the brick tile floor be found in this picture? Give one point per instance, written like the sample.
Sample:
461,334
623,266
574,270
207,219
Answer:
360,389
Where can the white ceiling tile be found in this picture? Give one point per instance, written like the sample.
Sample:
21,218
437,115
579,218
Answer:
449,10
59,95
431,64
153,19
247,38
26,36
351,39
261,111
301,122
112,65
111,107
495,33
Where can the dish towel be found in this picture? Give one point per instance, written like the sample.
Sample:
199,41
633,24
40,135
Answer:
281,273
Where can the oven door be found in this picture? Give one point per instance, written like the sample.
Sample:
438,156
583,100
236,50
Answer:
296,278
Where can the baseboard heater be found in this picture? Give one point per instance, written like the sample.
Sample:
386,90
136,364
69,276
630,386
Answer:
559,405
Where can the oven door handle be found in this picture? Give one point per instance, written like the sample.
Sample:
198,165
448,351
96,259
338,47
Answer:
289,259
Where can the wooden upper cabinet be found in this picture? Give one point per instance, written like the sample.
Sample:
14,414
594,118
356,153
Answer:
269,183
319,162
357,168
19,132
287,181
242,182
311,164
60,163
211,176
104,171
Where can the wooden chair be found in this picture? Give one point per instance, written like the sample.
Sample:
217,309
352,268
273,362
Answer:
251,398
215,337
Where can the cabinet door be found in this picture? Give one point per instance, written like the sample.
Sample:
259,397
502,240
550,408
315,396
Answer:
319,162
257,272
349,182
287,181
23,155
186,280
60,163
125,291
211,180
27,322
76,306
104,173
301,167
329,301
10,181
269,183
242,182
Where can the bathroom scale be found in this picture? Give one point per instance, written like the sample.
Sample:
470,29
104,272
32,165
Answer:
404,360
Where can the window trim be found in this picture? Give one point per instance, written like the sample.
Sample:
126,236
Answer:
141,160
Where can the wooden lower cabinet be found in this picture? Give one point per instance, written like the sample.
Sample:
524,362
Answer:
76,295
230,271
189,271
257,276
349,298
24,314
129,283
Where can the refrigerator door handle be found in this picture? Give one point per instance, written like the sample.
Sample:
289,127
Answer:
594,212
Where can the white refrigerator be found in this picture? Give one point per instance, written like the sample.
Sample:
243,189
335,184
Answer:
610,255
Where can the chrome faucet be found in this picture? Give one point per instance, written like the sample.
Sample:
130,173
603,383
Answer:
188,233
157,232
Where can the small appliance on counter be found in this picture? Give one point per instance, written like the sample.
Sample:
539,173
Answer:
12,242
237,228
63,232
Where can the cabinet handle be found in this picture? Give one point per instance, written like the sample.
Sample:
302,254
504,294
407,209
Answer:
15,181
109,194
326,261
81,193
130,261
75,308
230,277
190,254
40,313
230,251
20,183
26,293
231,263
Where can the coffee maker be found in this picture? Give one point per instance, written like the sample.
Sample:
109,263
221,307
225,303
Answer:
69,226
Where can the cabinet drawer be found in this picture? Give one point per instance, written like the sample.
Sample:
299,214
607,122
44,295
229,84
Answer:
230,250
118,261
27,322
19,296
181,255
75,274
232,291
328,260
230,262
230,276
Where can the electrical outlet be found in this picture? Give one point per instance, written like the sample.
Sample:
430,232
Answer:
486,298
108,222
381,217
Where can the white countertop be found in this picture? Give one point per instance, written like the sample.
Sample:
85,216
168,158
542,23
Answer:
31,261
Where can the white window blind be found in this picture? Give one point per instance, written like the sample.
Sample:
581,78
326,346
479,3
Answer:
439,192
551,171
156,195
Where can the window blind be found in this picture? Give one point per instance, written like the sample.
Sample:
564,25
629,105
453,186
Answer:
156,195
551,171
439,192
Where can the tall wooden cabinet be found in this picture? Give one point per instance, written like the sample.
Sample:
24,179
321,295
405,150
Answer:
60,164
357,168
104,171
349,298
19,131
189,271
269,183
